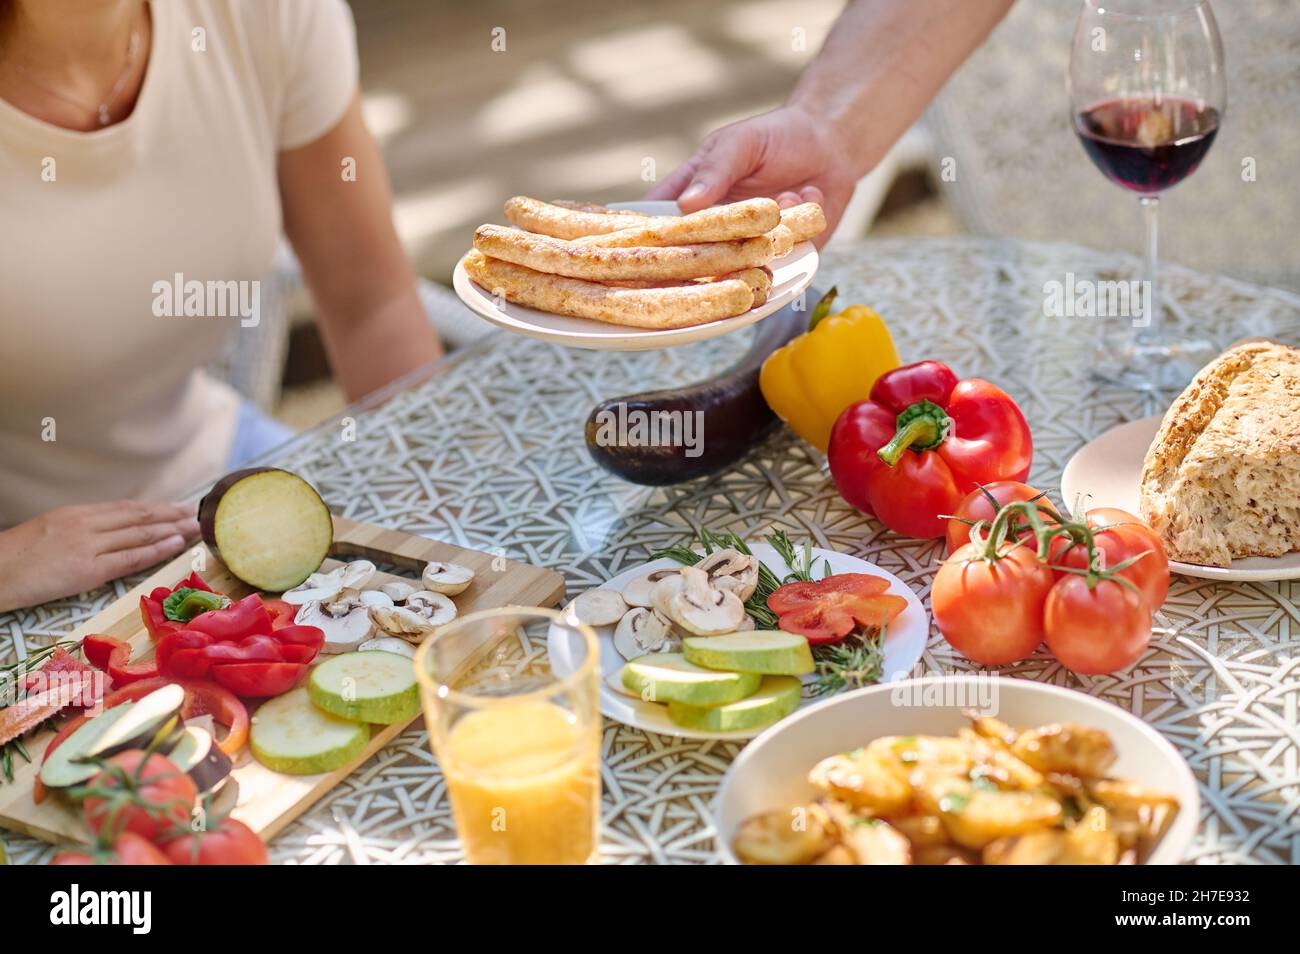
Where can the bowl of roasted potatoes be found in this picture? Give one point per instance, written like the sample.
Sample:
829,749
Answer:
969,769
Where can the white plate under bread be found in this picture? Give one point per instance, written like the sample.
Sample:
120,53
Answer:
1107,472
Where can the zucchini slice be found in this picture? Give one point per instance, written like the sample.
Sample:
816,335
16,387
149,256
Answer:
292,736
369,686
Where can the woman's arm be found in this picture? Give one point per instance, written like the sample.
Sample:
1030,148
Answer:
370,316
882,63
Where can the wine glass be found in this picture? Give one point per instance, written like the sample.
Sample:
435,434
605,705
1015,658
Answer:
1148,94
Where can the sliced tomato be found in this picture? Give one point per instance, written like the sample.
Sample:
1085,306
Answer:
826,611
259,680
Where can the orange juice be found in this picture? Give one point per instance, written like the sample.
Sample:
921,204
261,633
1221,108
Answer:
524,782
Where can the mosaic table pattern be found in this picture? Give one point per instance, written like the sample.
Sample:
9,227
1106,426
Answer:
489,453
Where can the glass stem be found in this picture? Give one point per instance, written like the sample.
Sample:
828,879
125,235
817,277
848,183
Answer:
1151,298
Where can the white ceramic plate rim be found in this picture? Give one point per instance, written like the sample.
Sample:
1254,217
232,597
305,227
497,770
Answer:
792,273
1171,850
905,641
1127,446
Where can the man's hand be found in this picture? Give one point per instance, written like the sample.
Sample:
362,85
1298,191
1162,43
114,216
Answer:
787,154
74,549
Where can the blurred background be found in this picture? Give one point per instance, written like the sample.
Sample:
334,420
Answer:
473,103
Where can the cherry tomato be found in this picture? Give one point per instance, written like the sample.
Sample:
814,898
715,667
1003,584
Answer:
1098,629
160,784
228,842
991,611
976,506
1125,537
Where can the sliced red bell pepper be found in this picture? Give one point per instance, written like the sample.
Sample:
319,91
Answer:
311,636
123,672
97,647
827,610
282,613
922,442
182,654
248,617
151,606
259,680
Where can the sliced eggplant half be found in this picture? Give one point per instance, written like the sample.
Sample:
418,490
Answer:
269,527
63,768
153,723
196,754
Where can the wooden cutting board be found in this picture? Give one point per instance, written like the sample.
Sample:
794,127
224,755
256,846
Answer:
269,800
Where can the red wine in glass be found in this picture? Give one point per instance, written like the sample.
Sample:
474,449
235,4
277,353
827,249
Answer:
1147,145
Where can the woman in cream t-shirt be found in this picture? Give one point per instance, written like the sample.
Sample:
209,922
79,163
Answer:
142,141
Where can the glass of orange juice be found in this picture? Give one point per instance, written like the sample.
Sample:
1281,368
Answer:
510,699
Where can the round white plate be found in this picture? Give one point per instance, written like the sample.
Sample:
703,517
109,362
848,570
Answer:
1107,472
904,641
791,274
771,774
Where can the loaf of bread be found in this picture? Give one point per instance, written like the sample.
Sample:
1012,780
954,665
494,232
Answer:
1222,477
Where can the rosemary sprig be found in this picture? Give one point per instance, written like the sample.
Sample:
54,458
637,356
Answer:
855,662
756,605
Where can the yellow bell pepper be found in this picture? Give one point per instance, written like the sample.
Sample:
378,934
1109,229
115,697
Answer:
817,375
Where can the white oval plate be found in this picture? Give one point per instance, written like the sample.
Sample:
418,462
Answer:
771,774
1107,472
904,641
791,274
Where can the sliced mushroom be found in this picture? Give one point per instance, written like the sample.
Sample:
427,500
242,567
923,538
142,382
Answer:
697,606
449,578
398,590
375,598
345,622
639,592
643,630
746,624
388,644
401,622
327,585
437,608
731,570
597,608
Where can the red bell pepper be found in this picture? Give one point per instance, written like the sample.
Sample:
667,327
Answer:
259,680
827,610
151,606
248,617
924,440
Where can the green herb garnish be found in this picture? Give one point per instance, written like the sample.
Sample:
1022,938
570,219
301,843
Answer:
852,663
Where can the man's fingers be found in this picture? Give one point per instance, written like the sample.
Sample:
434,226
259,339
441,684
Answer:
144,534
728,160
128,513
787,200
123,562
811,193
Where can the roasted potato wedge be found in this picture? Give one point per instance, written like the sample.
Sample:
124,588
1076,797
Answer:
793,837
1066,747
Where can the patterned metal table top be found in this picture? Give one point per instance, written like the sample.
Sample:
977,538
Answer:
489,453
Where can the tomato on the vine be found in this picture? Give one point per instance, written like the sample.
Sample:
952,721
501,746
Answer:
141,793
983,503
128,849
1119,536
228,842
991,609
1095,626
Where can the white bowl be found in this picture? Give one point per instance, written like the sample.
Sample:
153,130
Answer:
772,771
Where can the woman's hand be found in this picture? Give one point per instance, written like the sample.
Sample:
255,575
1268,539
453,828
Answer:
74,549
787,154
